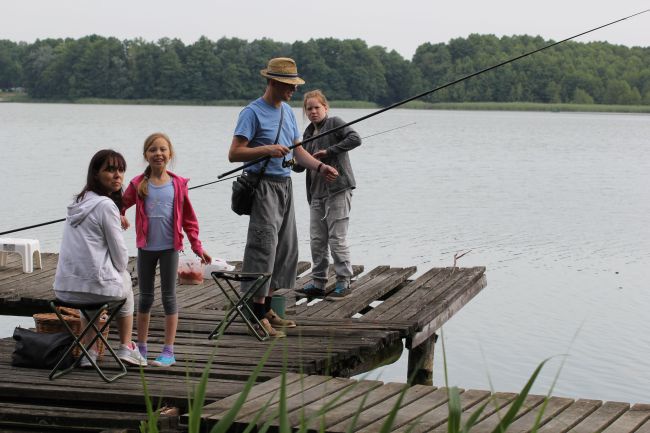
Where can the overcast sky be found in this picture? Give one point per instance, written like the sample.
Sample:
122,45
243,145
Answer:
399,25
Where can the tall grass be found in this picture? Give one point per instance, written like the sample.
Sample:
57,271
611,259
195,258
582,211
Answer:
279,414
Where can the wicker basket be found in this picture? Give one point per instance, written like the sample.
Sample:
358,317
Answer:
49,323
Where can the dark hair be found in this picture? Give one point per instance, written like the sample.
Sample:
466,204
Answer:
92,183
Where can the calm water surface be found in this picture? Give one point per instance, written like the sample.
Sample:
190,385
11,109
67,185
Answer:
555,205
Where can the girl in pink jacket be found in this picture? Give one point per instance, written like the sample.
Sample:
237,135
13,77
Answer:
162,212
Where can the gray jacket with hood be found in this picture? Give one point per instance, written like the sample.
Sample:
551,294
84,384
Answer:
93,256
338,144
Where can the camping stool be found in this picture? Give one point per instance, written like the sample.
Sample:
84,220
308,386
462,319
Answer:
86,309
29,250
240,303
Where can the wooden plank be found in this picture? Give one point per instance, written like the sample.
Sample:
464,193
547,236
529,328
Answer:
436,421
444,310
410,412
313,412
601,417
571,416
631,420
362,402
362,297
295,402
438,416
378,411
488,424
403,293
554,406
427,289
305,310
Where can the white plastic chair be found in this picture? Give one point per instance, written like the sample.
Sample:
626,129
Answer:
29,250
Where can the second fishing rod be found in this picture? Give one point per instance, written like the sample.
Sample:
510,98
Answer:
428,92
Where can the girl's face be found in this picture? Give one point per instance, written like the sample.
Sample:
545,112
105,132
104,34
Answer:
158,153
315,110
111,177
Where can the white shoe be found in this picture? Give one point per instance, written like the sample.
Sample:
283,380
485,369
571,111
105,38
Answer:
131,355
85,362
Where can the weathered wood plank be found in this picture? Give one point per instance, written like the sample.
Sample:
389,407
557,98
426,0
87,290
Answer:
571,416
362,297
601,417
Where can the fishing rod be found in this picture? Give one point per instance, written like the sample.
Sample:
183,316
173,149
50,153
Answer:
363,138
428,92
193,187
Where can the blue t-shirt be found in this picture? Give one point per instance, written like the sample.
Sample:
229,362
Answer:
258,123
159,206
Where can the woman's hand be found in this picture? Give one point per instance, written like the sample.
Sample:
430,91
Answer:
329,173
124,222
320,154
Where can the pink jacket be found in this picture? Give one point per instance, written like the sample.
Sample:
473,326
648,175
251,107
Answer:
184,216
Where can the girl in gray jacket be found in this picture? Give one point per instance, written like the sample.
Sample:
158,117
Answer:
329,203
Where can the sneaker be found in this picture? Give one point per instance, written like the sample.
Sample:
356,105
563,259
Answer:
85,362
131,355
272,331
278,321
312,290
164,360
342,290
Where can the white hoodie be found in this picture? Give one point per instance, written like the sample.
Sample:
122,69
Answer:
93,255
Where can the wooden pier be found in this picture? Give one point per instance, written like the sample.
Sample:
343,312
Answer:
334,340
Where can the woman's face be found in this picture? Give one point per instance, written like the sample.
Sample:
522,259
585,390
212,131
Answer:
316,111
111,177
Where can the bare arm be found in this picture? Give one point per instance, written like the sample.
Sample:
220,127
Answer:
240,152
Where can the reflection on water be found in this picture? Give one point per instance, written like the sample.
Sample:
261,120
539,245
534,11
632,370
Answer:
555,205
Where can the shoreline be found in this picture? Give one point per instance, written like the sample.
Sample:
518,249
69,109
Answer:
414,105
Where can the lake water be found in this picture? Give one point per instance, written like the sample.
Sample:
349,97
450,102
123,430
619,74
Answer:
555,205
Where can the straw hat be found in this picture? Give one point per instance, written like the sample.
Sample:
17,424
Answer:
282,69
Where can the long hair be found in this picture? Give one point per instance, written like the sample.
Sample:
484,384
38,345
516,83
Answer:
143,186
112,158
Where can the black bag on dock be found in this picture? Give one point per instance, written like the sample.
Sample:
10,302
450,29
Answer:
41,350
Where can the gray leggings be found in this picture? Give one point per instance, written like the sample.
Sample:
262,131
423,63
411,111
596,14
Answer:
147,261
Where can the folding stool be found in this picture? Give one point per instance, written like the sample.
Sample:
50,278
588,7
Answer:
240,303
85,309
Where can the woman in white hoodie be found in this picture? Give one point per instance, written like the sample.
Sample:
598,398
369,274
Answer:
93,256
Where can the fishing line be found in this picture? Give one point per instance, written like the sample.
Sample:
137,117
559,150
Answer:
428,92
193,187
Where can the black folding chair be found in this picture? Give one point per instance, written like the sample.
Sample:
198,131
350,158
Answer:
240,304
86,309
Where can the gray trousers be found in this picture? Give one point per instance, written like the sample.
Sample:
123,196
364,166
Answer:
272,240
329,221
147,262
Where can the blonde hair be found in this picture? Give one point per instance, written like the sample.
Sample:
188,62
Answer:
143,187
318,94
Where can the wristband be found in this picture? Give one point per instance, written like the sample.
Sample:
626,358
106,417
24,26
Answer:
319,166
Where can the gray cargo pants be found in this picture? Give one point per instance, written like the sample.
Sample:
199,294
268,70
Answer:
329,220
272,241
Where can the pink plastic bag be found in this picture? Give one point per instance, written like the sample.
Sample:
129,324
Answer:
190,270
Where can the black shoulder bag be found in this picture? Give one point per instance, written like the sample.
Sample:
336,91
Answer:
41,350
243,188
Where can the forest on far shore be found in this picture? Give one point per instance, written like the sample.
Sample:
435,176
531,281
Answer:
228,69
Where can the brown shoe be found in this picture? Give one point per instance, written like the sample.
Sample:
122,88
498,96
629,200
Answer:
272,332
278,321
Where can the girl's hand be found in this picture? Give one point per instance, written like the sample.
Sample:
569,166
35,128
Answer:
205,258
276,150
320,154
329,173
124,222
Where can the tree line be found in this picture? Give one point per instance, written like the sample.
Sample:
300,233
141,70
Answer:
228,69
